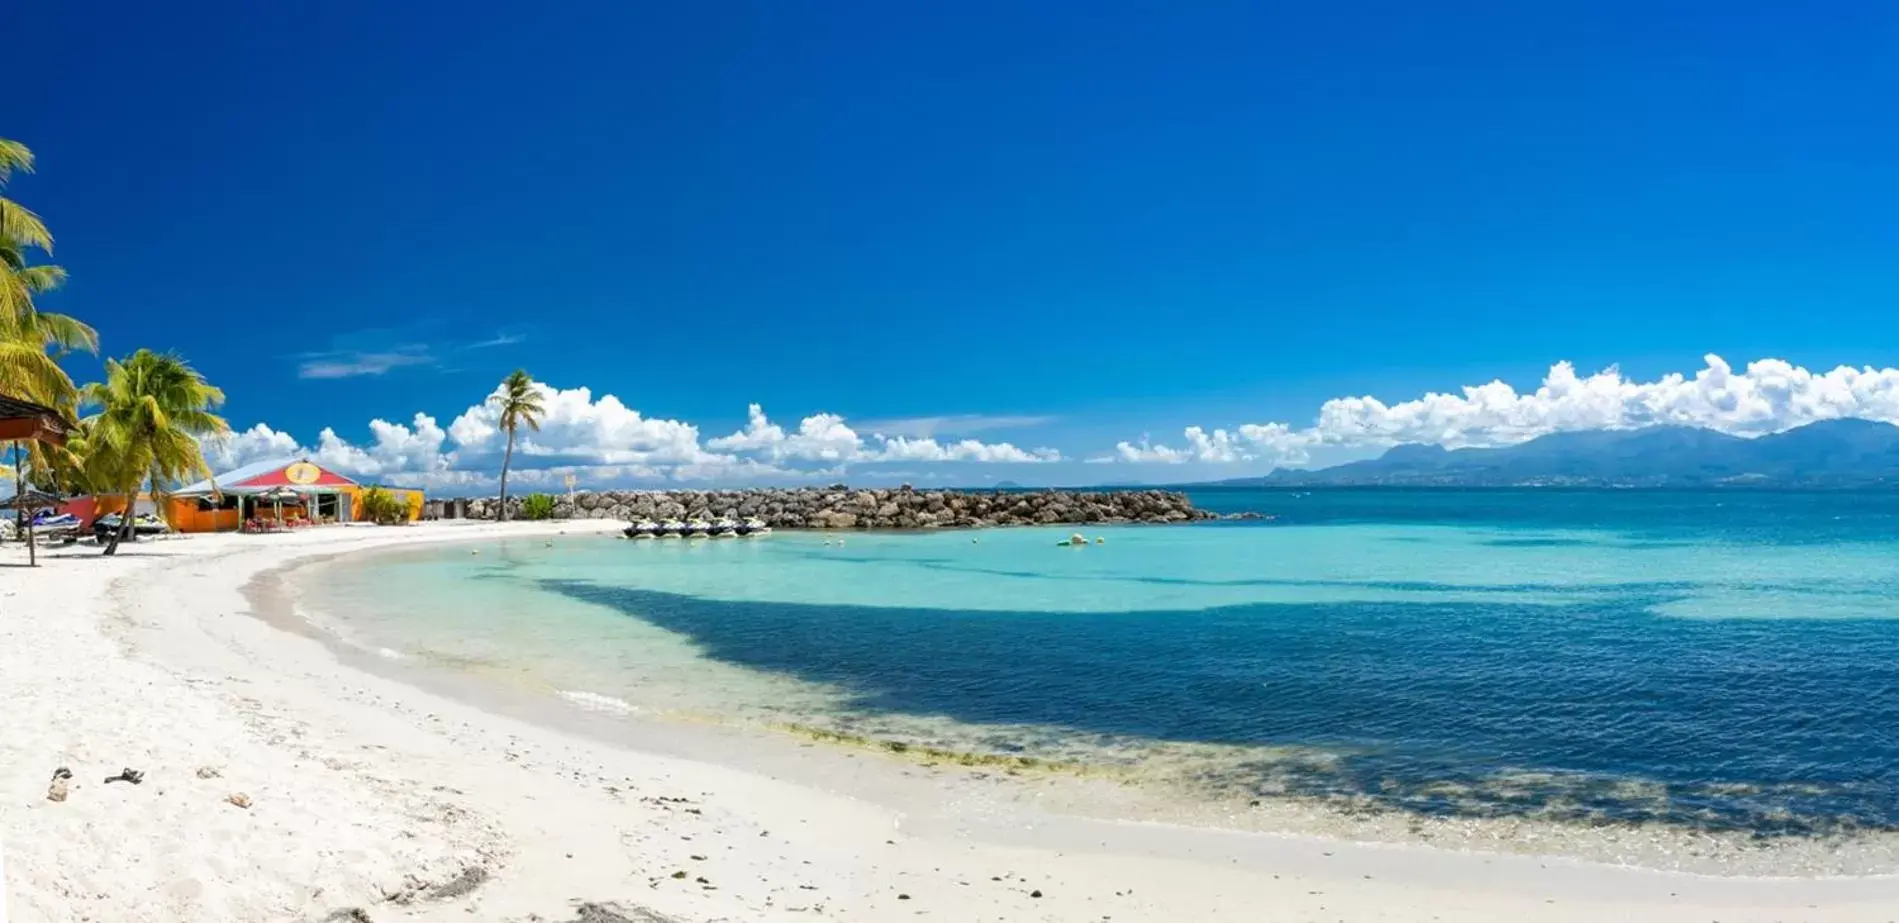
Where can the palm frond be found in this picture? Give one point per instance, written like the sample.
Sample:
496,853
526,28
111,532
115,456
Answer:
14,156
519,398
95,394
18,223
40,279
27,371
61,332
153,410
63,466
200,423
19,283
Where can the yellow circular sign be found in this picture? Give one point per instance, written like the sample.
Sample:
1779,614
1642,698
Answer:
302,473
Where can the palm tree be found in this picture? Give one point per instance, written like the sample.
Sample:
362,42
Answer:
27,333
520,402
153,410
66,470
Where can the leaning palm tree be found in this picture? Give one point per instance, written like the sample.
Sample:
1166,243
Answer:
520,401
154,409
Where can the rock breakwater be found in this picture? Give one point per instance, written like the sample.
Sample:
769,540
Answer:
865,508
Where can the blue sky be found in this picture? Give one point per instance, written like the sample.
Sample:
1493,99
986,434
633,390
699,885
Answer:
1058,225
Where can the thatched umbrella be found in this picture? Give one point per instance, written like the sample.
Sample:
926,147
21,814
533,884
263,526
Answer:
25,420
24,503
32,499
276,496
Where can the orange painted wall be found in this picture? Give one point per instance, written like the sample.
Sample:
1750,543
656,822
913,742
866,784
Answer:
183,514
87,509
91,508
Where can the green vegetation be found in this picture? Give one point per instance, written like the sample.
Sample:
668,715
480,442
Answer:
63,470
537,506
520,402
146,424
31,340
154,409
152,412
382,507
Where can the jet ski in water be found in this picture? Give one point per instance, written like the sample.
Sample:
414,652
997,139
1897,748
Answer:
645,528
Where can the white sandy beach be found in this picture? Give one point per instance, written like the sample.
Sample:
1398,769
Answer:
371,798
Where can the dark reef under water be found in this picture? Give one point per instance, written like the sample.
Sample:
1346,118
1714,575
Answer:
1592,711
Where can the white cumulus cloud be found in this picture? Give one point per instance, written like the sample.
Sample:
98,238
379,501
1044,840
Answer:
600,439
820,437
825,437
1770,395
759,434
576,425
900,448
1217,447
259,443
393,449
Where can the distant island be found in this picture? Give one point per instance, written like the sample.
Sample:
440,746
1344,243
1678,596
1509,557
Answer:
1832,453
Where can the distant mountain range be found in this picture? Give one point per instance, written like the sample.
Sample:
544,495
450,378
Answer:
1833,453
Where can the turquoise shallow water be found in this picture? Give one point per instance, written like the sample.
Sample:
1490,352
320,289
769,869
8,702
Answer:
1716,660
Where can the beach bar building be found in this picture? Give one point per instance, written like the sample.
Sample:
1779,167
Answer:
295,489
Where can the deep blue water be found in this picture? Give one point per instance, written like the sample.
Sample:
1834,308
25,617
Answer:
1720,660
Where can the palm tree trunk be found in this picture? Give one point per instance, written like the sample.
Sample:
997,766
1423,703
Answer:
125,523
19,491
23,525
507,458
